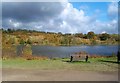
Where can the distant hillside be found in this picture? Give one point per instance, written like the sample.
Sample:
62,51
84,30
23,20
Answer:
16,37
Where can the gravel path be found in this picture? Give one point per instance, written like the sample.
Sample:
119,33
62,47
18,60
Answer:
56,75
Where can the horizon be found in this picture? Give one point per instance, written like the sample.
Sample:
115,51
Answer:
55,32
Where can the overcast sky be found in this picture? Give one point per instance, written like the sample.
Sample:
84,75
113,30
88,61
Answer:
65,17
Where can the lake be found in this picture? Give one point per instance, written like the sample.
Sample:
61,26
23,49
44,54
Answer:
66,51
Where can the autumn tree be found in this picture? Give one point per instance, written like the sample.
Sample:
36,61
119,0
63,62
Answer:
22,41
29,41
79,35
90,35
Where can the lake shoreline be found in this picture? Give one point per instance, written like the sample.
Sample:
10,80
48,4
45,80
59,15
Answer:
12,62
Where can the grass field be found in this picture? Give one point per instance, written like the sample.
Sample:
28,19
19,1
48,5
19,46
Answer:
94,64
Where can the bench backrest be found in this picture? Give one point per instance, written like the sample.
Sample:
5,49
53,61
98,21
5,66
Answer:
78,57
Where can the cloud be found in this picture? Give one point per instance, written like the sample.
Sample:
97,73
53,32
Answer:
31,11
84,7
109,27
113,10
75,20
0,15
30,14
53,17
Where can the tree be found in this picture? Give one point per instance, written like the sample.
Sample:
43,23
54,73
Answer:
29,41
22,41
104,36
60,33
10,30
93,42
66,40
90,35
85,36
79,35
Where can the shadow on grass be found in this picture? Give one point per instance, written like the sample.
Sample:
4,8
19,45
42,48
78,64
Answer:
75,61
109,61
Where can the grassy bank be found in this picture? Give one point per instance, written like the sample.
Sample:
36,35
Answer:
94,64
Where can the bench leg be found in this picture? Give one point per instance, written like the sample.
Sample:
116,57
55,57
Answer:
71,58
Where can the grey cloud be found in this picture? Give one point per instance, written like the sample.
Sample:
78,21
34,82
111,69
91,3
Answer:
31,11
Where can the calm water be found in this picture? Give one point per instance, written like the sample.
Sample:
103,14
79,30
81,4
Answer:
65,51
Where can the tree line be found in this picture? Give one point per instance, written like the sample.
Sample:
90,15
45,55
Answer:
21,36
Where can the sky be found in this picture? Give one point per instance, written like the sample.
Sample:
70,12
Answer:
65,17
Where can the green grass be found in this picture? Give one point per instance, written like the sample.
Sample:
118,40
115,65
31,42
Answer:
94,64
0,63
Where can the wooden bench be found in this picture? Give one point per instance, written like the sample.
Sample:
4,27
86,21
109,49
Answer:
79,57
